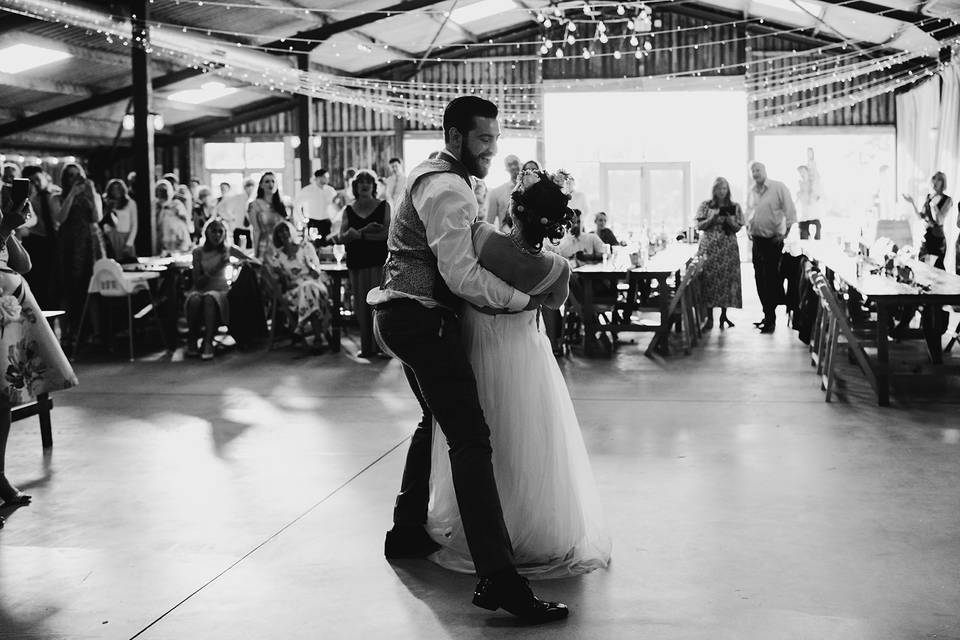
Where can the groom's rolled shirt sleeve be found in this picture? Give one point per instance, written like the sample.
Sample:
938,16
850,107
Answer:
447,208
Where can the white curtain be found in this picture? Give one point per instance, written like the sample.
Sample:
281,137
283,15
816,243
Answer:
917,120
948,151
928,140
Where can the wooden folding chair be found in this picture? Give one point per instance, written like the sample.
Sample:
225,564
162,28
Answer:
837,325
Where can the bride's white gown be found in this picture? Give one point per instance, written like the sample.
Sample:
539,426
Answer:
549,497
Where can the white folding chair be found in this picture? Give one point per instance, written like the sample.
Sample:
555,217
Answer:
109,281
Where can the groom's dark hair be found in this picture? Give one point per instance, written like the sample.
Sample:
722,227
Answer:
461,111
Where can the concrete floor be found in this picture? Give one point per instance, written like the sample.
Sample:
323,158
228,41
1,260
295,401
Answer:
248,497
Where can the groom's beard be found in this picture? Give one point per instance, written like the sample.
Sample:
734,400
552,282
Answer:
472,162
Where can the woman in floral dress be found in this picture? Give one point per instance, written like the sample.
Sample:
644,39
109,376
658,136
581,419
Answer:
34,362
719,219
296,268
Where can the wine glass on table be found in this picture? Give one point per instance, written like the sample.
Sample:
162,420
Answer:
338,252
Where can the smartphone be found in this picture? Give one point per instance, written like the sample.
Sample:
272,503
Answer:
728,210
20,190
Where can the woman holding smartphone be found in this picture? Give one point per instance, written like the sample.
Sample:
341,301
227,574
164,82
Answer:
718,220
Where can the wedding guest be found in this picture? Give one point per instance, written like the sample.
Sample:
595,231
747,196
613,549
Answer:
34,361
172,179
498,199
207,306
530,165
396,183
579,246
718,220
480,191
364,233
770,216
185,196
10,173
204,205
233,210
224,191
933,213
39,238
174,221
80,210
304,286
120,220
314,204
346,194
603,231
264,213
577,198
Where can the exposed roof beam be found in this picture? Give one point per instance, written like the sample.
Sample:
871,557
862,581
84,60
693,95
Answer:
44,85
14,21
41,140
76,125
86,54
331,29
924,22
160,103
386,47
202,127
91,103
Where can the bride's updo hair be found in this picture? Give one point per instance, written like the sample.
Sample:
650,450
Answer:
540,202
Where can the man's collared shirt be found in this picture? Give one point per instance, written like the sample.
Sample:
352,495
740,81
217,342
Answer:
315,201
770,210
587,242
447,207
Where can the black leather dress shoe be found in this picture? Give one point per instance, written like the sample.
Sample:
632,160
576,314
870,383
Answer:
512,594
768,328
408,542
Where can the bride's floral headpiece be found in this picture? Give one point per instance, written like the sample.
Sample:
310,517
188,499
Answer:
530,177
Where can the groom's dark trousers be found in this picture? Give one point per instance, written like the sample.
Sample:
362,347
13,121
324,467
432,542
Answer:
428,343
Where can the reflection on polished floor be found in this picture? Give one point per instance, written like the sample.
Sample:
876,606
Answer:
248,497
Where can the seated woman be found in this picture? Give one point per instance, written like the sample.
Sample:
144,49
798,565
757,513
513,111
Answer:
36,363
296,267
207,304
550,503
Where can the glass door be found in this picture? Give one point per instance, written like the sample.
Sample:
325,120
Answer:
654,195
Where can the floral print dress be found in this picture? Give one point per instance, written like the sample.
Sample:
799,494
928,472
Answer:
33,362
304,294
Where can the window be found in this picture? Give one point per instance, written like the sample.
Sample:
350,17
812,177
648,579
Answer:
233,161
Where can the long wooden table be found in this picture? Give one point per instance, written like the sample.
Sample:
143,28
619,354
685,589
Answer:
660,268
886,292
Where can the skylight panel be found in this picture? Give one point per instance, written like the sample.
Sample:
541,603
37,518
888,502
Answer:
23,57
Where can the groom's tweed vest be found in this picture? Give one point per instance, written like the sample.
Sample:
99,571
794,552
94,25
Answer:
411,267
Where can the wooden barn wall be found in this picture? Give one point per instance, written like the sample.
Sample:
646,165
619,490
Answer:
880,110
685,52
357,137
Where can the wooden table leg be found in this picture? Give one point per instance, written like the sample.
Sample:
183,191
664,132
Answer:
591,347
662,292
44,405
883,356
337,304
928,321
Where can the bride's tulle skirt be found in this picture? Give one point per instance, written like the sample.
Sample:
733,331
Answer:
549,497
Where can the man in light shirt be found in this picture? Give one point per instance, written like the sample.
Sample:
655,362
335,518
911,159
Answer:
314,203
771,215
498,199
579,246
432,268
395,183
233,209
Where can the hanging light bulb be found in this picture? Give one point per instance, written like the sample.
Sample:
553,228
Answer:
638,54
617,55
158,122
571,39
587,11
548,43
620,10
648,45
559,53
128,122
601,27
586,54
603,38
634,41
547,23
540,17
543,50
571,27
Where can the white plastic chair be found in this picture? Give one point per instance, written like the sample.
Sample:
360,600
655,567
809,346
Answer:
109,281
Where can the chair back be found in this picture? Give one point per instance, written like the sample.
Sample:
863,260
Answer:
108,280
805,226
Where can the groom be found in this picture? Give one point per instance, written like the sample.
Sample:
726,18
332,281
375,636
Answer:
431,270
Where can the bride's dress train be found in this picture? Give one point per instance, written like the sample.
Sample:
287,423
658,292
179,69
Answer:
550,501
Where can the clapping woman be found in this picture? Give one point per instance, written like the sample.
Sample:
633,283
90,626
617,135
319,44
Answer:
933,213
719,219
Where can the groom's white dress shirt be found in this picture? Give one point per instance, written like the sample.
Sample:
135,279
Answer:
447,206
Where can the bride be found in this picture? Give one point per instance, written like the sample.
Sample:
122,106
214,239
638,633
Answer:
549,498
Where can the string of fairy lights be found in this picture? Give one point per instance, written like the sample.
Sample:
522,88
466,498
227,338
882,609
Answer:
839,73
